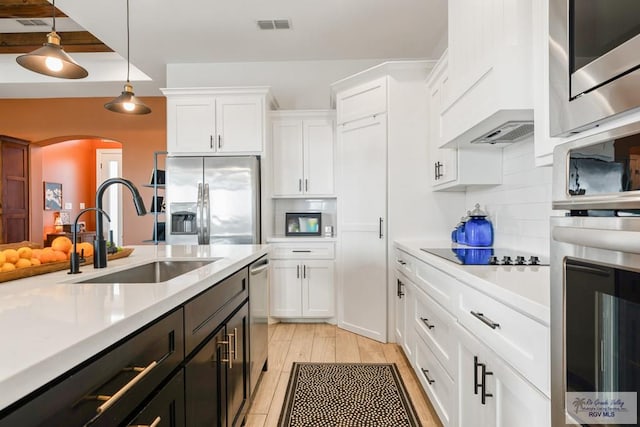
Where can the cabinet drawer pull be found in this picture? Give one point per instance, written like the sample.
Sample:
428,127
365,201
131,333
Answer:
484,394
211,141
380,235
110,400
425,372
219,142
476,385
298,271
155,423
229,359
300,185
232,353
399,286
235,343
426,322
306,184
490,323
300,251
304,271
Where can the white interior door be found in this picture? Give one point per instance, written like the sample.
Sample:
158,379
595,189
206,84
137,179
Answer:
109,165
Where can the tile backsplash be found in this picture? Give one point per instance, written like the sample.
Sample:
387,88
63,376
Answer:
328,208
520,208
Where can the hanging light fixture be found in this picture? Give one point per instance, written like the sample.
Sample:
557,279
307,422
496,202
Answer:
51,59
127,102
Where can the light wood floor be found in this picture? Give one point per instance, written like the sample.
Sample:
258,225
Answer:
305,342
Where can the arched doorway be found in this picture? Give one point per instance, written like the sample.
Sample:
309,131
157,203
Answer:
70,162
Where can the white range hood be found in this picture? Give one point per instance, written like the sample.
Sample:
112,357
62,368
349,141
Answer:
499,129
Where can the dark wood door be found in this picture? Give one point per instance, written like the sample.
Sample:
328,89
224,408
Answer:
166,408
205,378
237,373
14,171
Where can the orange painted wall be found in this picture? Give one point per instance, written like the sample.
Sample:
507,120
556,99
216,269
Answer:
72,164
46,121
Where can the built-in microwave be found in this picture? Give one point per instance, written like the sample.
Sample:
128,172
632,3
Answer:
594,67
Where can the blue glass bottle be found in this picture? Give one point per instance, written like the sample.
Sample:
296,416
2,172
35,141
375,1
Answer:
478,230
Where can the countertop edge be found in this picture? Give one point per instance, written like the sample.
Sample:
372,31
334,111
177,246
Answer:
533,309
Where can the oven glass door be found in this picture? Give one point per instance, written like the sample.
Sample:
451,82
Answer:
602,39
602,328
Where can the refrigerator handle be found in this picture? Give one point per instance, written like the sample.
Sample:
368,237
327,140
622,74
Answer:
199,213
206,219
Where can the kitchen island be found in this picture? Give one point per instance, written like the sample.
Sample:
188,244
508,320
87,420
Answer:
53,323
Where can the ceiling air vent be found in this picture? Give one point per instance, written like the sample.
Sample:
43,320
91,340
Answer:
274,24
32,22
508,132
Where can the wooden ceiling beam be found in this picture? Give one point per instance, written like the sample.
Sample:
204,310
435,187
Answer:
73,41
28,9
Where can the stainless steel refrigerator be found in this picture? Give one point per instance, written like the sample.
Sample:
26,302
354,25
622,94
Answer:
213,200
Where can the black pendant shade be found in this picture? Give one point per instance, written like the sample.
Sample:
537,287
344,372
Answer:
127,103
52,60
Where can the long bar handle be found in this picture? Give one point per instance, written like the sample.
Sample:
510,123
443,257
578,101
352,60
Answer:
300,185
380,235
298,271
260,268
229,359
306,251
484,395
211,141
232,353
155,423
219,141
484,319
114,398
207,216
306,184
235,343
304,271
199,213
476,385
425,372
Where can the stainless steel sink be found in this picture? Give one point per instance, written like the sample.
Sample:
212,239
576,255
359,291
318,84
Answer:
153,272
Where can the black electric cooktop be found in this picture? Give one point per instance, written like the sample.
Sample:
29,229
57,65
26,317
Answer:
488,256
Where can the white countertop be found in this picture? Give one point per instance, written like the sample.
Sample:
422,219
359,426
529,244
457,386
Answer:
49,324
524,288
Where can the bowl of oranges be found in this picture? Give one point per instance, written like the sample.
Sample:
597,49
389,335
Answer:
24,259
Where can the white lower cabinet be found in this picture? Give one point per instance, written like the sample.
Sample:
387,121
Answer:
491,393
487,369
302,287
438,385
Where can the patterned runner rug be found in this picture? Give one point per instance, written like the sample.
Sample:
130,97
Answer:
346,395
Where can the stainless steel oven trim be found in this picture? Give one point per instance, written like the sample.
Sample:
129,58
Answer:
560,196
603,241
567,117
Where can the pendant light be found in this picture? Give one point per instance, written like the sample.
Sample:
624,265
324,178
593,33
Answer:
127,102
51,59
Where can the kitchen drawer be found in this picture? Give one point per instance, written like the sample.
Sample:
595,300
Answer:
362,101
404,263
135,367
303,251
438,285
519,340
438,385
205,312
436,327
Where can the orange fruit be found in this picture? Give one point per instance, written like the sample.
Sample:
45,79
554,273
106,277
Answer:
23,263
3,258
7,266
59,256
11,255
35,261
62,243
88,249
25,252
46,256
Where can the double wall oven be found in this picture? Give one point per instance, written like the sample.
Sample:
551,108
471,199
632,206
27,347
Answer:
595,279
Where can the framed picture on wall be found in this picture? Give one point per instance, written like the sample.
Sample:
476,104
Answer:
52,196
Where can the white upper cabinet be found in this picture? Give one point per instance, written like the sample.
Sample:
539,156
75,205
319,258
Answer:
490,68
303,153
216,120
454,169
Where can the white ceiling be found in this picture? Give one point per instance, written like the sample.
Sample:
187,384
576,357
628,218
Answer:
209,31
